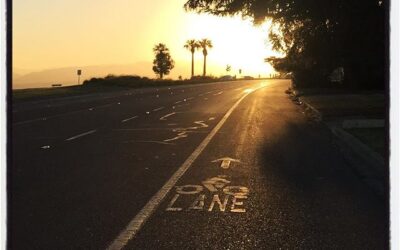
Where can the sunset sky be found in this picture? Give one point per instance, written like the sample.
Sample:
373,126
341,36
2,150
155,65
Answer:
51,34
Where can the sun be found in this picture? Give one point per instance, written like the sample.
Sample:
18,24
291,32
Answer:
236,42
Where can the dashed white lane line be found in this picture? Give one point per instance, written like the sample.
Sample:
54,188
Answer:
178,102
157,142
60,115
29,121
100,106
190,98
138,221
158,109
166,116
81,135
130,118
219,93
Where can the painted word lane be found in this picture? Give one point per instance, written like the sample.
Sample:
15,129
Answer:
215,194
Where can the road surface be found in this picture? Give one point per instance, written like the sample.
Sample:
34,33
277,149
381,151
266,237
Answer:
232,165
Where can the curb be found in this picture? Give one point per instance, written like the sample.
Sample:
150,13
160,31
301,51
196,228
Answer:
309,109
368,164
313,112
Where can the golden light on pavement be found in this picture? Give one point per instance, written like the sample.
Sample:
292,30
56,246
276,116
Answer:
248,90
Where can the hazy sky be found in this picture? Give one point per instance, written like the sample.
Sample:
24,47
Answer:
75,33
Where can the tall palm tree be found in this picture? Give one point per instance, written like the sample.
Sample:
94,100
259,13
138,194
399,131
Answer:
205,44
192,45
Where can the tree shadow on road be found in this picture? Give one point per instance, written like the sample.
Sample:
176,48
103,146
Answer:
307,177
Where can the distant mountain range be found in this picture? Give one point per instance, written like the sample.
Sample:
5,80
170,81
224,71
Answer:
68,76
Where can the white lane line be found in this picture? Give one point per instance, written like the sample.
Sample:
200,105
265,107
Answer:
29,121
178,102
100,106
59,115
81,135
140,129
166,116
128,119
182,105
190,98
158,109
219,93
157,142
138,221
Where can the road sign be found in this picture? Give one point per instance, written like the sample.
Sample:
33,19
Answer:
79,73
226,162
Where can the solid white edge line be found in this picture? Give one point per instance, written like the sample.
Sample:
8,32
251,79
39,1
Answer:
138,221
81,135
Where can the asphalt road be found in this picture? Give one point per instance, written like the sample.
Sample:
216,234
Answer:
142,169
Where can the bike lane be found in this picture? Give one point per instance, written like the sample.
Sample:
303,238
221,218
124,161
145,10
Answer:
268,180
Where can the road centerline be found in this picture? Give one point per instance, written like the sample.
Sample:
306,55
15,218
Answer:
144,214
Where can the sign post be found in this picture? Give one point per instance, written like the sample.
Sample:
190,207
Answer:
79,73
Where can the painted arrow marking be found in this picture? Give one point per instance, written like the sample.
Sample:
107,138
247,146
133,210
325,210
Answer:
226,162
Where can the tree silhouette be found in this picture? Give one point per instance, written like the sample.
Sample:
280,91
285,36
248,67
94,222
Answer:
319,36
192,45
205,44
163,63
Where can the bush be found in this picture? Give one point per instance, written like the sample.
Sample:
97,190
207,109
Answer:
137,81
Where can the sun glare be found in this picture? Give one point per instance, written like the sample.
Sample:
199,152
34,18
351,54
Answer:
122,41
237,43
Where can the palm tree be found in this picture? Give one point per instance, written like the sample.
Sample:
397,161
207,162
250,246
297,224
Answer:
205,44
192,45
